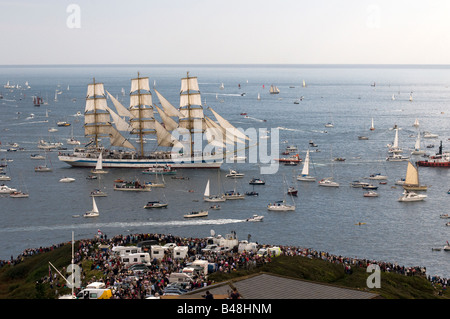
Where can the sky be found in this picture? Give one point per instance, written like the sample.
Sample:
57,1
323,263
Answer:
224,32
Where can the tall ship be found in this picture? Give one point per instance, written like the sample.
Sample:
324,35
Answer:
181,131
441,159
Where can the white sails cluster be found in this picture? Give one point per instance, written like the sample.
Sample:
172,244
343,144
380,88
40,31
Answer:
139,118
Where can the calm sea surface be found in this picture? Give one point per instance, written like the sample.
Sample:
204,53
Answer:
324,218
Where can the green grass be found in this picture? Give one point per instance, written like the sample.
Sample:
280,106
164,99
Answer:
22,281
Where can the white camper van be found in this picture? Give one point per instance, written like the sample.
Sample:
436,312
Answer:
131,259
180,252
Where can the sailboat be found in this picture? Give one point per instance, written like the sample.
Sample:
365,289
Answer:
139,120
417,150
412,179
43,168
329,181
304,176
274,90
212,198
416,123
99,166
304,84
372,127
72,140
394,148
94,212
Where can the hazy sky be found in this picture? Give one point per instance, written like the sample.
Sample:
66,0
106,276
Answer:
228,31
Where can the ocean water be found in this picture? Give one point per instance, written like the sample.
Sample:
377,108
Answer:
324,218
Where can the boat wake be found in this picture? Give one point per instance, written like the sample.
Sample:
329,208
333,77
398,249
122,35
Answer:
125,224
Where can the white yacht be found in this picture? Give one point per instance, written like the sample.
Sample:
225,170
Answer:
409,196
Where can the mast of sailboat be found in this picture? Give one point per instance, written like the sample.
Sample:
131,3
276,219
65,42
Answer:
141,108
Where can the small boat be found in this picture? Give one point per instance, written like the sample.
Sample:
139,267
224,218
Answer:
67,180
6,190
98,193
135,186
160,169
37,157
377,176
234,174
444,216
362,137
295,159
257,181
329,124
292,191
400,182
409,196
372,127
43,168
207,197
202,213
369,186
251,193
4,178
155,204
339,159
99,166
312,144
215,207
429,135
62,123
255,218
73,141
304,176
94,212
328,182
412,179
280,206
396,158
53,130
92,177
358,184
18,194
233,195
291,148
370,194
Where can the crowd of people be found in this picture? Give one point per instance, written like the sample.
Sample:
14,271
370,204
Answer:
139,284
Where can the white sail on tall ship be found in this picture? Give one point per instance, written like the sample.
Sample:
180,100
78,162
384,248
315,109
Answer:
139,120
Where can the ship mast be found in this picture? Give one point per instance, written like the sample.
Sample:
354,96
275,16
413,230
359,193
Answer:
191,108
141,108
96,117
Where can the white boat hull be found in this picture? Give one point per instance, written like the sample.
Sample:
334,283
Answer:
280,207
306,178
76,161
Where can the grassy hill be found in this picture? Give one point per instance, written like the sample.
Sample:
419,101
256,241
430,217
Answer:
22,280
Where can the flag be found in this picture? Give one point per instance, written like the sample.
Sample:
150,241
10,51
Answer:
99,232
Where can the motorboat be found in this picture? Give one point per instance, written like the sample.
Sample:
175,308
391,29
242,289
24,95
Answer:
156,204
67,180
292,191
233,195
377,176
234,174
160,169
252,193
18,194
4,177
43,168
257,181
255,218
328,182
363,138
409,196
369,186
280,206
202,213
215,207
62,123
358,184
370,194
396,158
37,157
98,193
135,186
429,135
444,216
6,190
92,177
